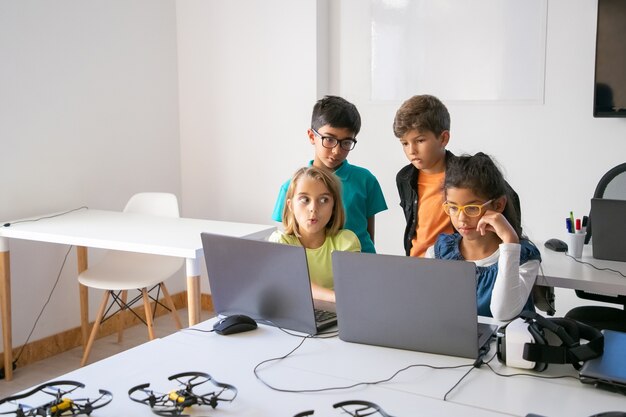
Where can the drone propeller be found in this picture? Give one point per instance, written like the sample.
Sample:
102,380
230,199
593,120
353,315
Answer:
174,402
362,409
62,405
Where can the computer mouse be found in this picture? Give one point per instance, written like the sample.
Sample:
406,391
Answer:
237,323
556,245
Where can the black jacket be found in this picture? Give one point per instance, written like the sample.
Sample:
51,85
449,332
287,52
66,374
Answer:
406,181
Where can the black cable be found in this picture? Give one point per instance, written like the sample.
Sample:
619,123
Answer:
44,307
198,330
322,335
532,375
593,266
458,382
345,387
45,217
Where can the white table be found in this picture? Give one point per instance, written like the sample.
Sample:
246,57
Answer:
323,363
131,232
559,270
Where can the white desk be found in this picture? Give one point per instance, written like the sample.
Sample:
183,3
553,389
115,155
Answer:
559,270
131,232
332,362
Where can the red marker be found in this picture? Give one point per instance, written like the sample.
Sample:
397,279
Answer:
578,227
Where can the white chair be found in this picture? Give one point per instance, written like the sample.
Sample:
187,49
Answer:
120,271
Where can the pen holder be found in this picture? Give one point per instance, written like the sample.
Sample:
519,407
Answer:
575,243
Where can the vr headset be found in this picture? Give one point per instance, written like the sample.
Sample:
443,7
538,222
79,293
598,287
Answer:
533,341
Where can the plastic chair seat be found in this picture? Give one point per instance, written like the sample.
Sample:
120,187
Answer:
119,271
128,271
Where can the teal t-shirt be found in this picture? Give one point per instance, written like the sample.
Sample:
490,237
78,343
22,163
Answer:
362,199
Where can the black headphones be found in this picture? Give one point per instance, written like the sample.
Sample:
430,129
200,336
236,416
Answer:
533,341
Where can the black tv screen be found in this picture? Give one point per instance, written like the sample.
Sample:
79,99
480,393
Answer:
610,76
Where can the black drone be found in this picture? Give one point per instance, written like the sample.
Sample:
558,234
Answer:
174,402
355,408
62,405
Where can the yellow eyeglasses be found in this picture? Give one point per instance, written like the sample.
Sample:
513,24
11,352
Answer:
470,210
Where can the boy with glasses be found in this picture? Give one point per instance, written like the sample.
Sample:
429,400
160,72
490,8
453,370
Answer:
335,123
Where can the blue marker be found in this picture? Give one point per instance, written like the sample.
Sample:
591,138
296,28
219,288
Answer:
568,225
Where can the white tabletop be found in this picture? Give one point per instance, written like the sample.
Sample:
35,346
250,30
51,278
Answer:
321,363
104,229
560,270
83,227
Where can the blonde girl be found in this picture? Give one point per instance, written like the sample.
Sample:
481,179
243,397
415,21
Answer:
313,217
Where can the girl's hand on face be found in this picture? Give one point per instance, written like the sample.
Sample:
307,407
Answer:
495,222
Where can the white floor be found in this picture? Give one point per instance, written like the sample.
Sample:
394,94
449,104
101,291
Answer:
51,368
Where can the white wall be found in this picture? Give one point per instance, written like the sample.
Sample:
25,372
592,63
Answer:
89,97
552,153
88,116
247,74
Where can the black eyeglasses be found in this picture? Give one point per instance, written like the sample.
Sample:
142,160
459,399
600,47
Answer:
330,142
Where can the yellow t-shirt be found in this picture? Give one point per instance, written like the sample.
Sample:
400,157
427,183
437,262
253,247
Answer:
319,260
431,219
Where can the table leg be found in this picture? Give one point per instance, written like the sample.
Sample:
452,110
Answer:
193,290
5,301
82,260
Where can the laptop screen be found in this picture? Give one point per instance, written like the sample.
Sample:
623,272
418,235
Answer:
426,305
264,280
609,229
608,370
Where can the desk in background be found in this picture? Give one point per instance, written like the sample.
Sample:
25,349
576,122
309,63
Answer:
560,270
321,363
132,232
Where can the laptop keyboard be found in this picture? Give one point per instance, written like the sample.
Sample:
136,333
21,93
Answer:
324,315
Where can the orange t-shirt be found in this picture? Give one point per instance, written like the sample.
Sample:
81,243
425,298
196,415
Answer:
432,220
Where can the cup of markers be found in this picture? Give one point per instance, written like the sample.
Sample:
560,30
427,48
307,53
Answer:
576,231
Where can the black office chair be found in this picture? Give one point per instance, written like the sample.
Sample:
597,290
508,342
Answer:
611,185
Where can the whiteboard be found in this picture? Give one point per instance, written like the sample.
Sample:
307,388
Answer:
466,50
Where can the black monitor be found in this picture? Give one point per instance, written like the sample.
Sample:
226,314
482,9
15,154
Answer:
610,70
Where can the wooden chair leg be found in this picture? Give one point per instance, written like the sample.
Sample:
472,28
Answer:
171,306
146,307
121,317
96,326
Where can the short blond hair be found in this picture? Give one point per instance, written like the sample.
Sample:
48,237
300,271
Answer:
330,180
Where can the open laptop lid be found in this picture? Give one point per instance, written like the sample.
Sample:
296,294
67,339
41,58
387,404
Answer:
609,229
264,280
426,305
608,370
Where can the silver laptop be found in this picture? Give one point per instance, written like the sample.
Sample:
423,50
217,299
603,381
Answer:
609,370
426,305
266,281
608,219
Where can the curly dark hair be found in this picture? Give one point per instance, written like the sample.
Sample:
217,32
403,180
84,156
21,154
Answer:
480,174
